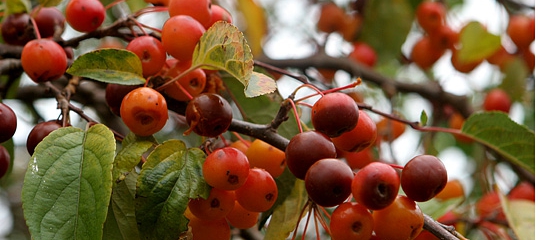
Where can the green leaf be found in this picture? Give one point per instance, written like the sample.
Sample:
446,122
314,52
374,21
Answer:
223,47
520,216
129,156
477,43
67,186
497,131
49,3
286,215
121,222
380,16
110,66
170,177
423,118
17,6
437,209
515,79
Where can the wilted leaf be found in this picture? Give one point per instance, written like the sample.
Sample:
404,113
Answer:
520,216
260,84
256,28
286,215
477,43
130,154
497,131
223,47
170,177
109,65
68,183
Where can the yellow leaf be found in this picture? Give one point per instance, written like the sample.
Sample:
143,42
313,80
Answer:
255,20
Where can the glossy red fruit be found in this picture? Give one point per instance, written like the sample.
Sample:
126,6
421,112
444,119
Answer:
425,53
40,131
49,21
85,15
216,206
17,29
358,160
403,219
200,229
423,177
208,115
241,218
497,100
351,220
8,122
52,62
364,54
362,136
151,53
259,192
444,37
144,111
193,82
332,18
523,190
430,15
5,161
180,34
520,31
489,207
334,113
328,182
376,185
200,10
219,14
115,93
226,168
306,148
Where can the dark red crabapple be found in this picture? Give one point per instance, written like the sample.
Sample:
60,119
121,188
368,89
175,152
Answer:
334,114
306,148
40,131
208,115
328,182
17,29
8,122
376,185
423,177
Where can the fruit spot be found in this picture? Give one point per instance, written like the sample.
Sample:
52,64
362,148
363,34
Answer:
233,179
269,197
214,203
357,227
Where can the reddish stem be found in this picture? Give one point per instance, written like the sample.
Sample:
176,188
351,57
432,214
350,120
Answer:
110,5
395,166
295,112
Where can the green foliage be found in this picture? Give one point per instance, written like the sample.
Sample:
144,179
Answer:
286,214
514,81
223,47
477,43
49,3
121,222
110,66
17,6
171,175
380,16
133,147
497,131
520,215
68,184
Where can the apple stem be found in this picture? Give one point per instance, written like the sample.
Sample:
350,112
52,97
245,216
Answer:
110,5
295,112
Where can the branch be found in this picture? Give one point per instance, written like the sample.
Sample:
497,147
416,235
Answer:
431,91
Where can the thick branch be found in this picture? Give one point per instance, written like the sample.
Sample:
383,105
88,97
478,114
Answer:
432,91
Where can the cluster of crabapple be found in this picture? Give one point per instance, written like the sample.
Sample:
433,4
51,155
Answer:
439,37
239,193
143,109
312,156
332,19
8,125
